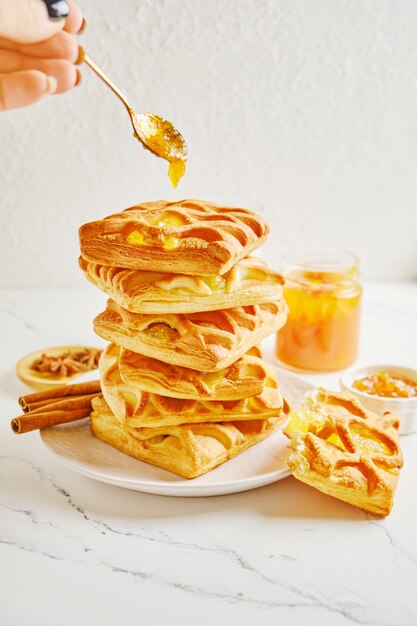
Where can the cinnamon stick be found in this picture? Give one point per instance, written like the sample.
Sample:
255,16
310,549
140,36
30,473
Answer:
34,421
71,402
80,389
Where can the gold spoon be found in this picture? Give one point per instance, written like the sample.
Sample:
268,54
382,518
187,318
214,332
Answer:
156,134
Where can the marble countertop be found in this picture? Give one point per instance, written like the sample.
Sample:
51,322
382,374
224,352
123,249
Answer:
75,551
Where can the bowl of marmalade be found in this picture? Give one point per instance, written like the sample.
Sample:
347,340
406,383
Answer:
383,388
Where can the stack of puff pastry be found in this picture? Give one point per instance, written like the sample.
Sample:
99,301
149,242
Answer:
184,384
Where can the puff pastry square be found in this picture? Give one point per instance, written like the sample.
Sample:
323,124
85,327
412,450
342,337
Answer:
207,341
248,376
188,450
142,409
185,237
250,281
345,451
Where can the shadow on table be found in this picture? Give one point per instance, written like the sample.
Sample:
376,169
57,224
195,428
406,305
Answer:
98,502
284,499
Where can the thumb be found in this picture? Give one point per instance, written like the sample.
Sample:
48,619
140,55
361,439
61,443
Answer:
27,21
23,88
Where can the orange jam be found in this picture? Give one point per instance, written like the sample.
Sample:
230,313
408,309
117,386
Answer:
322,330
163,139
176,171
161,239
386,385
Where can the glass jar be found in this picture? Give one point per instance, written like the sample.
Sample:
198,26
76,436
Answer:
323,294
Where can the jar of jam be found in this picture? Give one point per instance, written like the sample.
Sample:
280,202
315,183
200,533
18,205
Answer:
323,294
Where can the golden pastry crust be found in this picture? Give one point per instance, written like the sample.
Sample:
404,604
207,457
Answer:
142,409
345,451
188,450
185,237
250,281
207,341
248,376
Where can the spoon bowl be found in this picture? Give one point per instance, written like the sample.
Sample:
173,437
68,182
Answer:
163,139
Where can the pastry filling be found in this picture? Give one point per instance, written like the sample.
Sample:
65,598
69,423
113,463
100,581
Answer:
161,332
137,239
165,221
365,438
215,283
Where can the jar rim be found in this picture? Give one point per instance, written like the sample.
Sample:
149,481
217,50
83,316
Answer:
329,261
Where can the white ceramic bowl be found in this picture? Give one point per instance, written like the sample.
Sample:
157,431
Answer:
406,408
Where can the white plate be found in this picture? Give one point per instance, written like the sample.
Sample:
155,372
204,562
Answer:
264,463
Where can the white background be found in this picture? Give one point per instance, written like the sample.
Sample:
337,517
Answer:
305,110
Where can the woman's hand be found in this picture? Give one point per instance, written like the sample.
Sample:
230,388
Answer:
37,54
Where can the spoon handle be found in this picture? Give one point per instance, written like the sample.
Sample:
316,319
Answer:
89,61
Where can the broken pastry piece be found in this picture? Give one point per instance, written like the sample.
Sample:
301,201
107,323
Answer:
345,451
188,450
187,237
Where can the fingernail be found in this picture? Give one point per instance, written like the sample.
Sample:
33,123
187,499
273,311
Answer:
78,79
51,84
57,9
83,27
81,55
